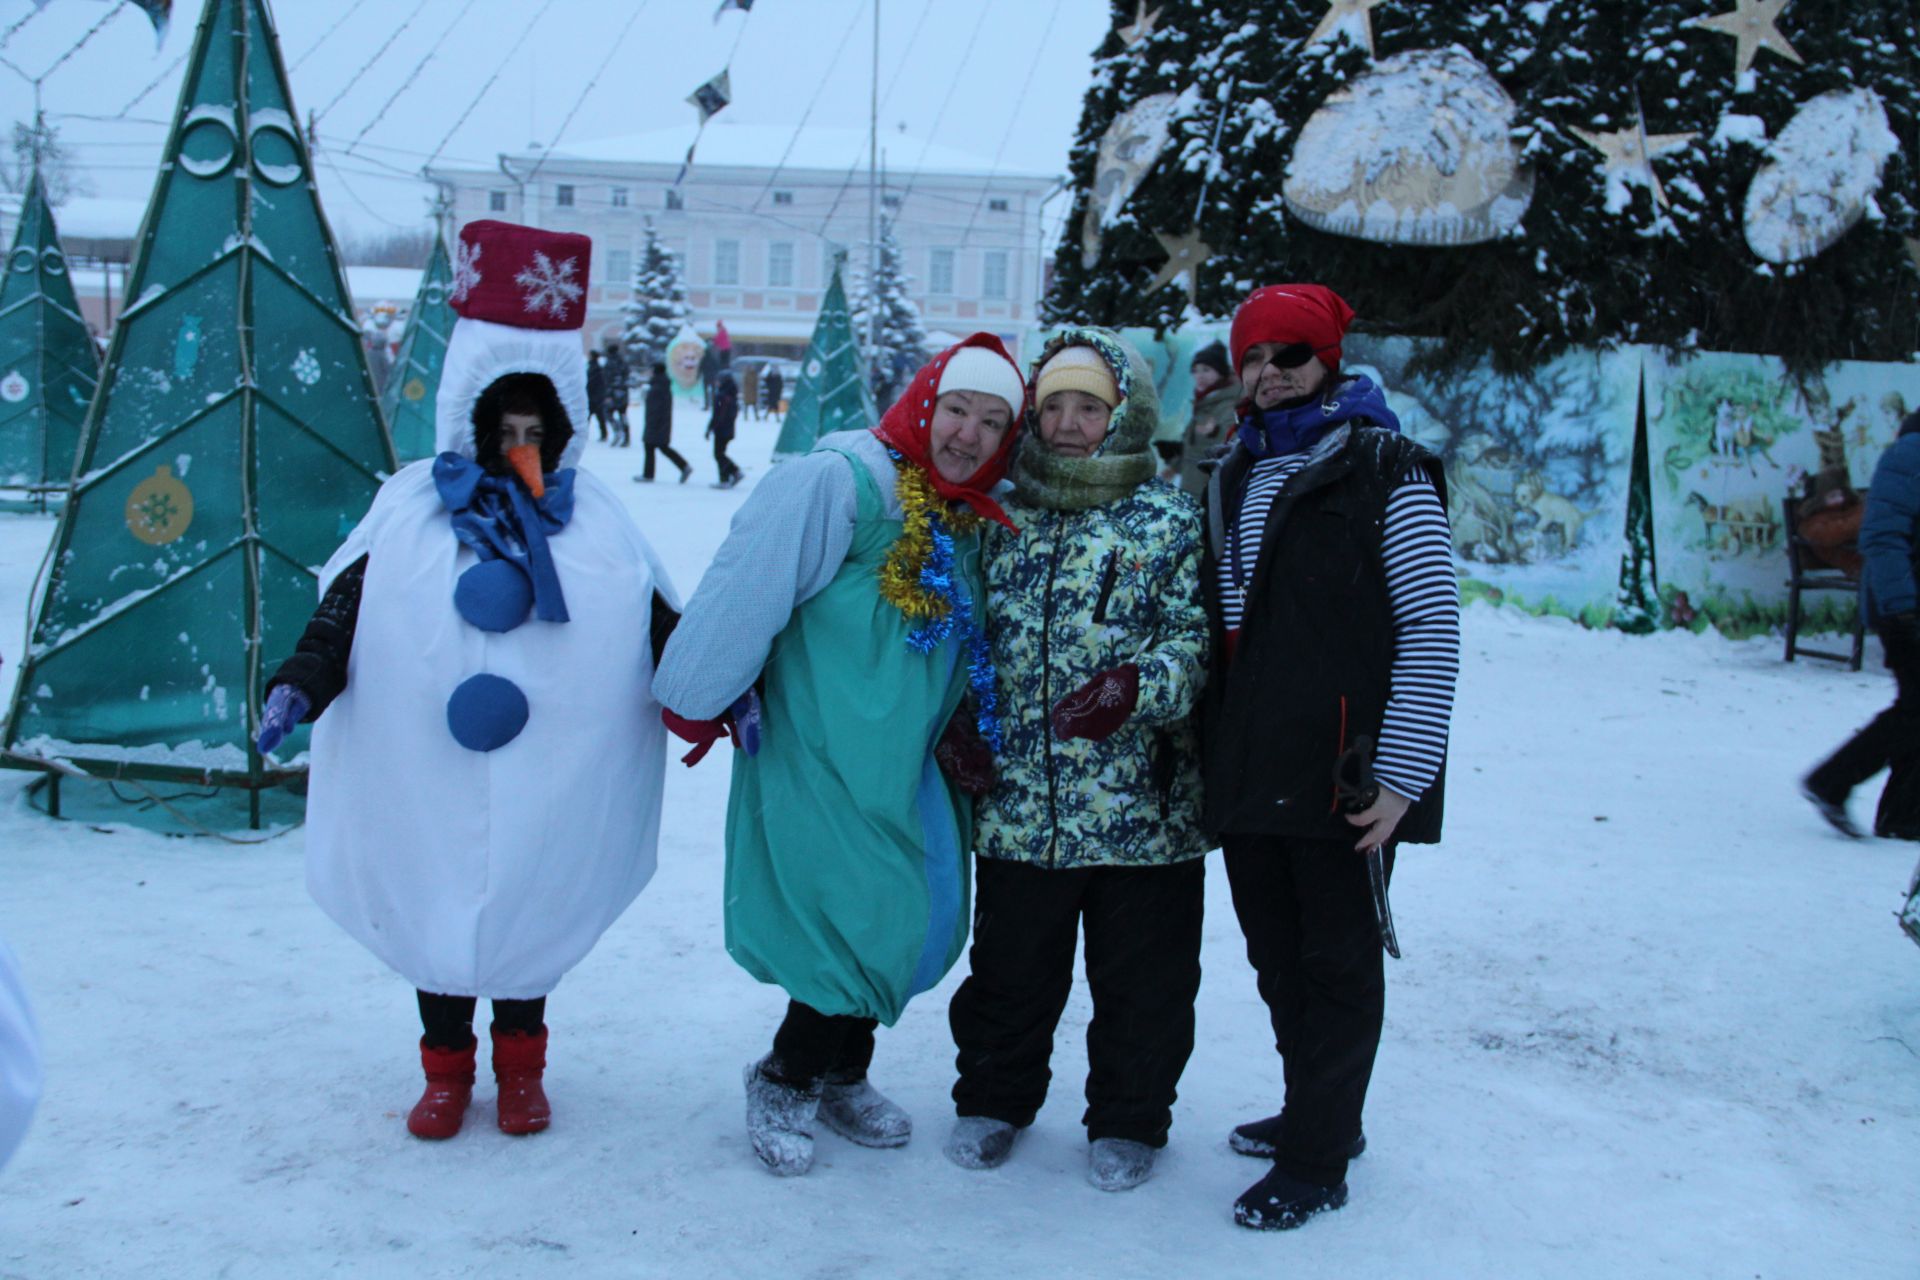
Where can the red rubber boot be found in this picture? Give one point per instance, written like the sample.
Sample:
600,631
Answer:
519,1059
449,1088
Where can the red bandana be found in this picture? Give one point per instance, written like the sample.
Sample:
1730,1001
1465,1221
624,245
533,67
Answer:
905,428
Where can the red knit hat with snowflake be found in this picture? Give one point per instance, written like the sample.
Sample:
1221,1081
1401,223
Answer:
521,276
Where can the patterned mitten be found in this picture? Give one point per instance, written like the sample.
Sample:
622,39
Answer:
1098,707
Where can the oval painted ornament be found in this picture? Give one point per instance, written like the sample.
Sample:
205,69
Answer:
1418,150
160,508
1819,177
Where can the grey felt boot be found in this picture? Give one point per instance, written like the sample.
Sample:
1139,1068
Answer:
780,1120
861,1114
1119,1164
980,1142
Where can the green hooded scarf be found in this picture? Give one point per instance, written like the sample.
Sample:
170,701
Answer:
1123,462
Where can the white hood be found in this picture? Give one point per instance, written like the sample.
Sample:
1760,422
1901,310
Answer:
480,353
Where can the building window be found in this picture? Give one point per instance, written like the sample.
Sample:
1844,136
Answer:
496,202
780,265
726,262
940,271
563,195
993,274
890,201
675,200
619,198
619,267
783,197
997,205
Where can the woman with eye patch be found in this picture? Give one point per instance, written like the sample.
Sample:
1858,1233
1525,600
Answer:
1336,620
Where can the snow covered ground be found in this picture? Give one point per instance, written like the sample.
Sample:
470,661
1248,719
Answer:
1654,1019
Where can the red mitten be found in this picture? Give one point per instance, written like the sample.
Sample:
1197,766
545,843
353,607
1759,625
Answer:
701,733
964,756
1098,707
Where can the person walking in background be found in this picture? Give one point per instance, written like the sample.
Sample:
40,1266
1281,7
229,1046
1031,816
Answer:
597,392
1216,399
1099,644
722,345
709,370
776,387
619,388
1336,614
1890,546
656,425
726,413
848,592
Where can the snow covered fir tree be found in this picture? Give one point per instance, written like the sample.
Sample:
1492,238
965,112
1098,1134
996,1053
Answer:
900,346
658,309
1514,178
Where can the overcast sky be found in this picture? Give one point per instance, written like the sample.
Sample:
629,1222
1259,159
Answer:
1002,79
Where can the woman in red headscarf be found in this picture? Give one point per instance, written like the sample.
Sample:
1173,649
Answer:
837,639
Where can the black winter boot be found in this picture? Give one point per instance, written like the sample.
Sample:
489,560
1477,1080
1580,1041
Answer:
1280,1203
1260,1139
1831,804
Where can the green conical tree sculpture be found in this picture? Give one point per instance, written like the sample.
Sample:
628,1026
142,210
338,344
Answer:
408,398
235,440
48,363
831,394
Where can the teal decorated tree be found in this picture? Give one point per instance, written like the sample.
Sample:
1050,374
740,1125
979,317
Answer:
48,363
234,441
407,400
831,393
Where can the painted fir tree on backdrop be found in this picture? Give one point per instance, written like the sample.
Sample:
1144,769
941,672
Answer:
658,309
407,399
234,441
1513,177
831,393
900,347
48,363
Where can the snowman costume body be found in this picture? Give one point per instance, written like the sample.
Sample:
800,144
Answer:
490,873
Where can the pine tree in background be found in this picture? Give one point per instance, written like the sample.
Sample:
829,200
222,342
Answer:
1609,249
658,309
902,343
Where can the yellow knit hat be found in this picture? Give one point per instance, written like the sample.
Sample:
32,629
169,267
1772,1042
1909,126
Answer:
1077,368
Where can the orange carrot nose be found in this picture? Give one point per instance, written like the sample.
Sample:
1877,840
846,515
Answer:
525,461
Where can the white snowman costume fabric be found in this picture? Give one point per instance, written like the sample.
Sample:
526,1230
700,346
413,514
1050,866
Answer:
19,1058
485,794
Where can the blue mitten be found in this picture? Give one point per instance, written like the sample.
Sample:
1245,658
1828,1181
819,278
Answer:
286,707
746,722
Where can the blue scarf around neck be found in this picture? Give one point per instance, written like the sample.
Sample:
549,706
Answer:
500,520
1281,431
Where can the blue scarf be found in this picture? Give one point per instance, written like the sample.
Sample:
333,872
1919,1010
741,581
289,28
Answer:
1280,431
499,519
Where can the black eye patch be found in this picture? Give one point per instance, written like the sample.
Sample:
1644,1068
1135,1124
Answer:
1291,356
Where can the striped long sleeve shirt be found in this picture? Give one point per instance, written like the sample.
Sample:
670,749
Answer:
1424,595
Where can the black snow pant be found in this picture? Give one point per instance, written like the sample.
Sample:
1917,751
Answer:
1307,912
671,455
1143,971
728,467
1891,740
448,1020
811,1045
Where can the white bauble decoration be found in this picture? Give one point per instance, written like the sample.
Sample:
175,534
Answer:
1819,177
1418,150
1128,148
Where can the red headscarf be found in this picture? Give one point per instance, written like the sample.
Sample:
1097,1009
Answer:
1288,313
907,428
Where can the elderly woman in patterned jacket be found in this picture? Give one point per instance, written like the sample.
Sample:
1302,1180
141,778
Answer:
1099,643
1324,727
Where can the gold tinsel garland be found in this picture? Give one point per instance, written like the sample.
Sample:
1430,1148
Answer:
902,582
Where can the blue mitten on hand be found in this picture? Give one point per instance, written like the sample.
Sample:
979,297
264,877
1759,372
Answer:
746,722
286,707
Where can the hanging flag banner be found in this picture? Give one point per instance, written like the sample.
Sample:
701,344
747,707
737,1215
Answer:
712,97
160,13
740,5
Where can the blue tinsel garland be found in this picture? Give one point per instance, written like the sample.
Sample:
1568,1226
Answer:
937,577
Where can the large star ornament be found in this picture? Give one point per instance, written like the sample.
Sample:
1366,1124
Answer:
1184,254
1628,156
1142,25
1348,16
1754,26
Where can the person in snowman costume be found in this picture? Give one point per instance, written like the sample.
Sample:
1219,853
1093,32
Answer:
480,665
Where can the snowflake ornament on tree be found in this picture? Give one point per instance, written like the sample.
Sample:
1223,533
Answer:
549,286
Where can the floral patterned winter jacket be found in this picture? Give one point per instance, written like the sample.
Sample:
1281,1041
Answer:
1074,593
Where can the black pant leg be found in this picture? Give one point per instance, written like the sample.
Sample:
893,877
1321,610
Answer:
856,1050
1143,966
1025,923
674,457
646,469
446,1022
1893,735
1309,905
525,1016
809,1044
